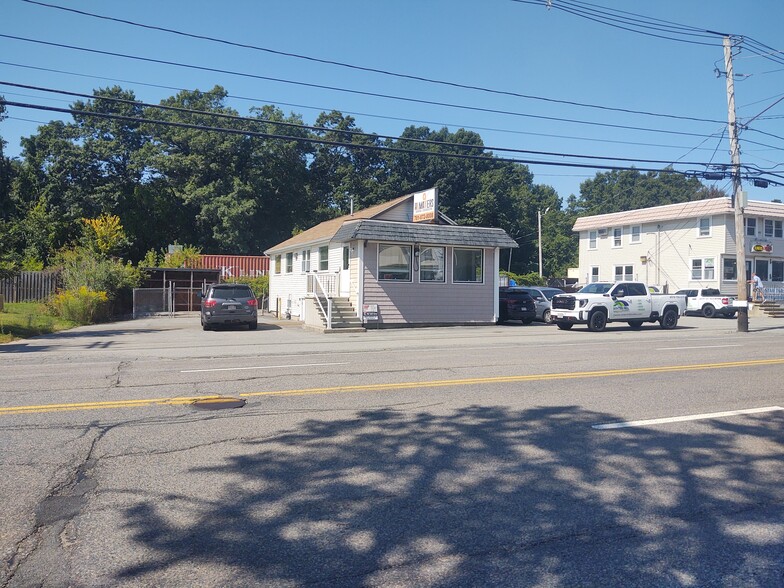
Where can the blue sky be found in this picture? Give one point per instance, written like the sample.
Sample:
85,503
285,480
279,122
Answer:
502,45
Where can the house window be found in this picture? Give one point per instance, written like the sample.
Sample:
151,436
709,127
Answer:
277,264
696,269
345,257
705,227
635,235
595,274
305,260
394,262
768,227
467,265
432,264
709,269
289,263
592,240
617,235
751,227
730,269
777,232
624,272
777,271
323,258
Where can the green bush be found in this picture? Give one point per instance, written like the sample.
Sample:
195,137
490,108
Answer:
82,305
82,267
259,284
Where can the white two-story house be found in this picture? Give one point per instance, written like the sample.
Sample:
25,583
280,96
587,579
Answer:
679,246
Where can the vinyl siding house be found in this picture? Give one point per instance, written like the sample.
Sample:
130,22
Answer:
679,246
378,266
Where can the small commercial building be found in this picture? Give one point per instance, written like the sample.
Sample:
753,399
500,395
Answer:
399,263
686,245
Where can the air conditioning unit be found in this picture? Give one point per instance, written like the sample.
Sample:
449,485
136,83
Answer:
602,232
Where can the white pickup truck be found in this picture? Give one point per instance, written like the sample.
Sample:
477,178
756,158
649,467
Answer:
599,303
708,302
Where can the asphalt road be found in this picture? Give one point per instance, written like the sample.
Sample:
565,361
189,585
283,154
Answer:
464,456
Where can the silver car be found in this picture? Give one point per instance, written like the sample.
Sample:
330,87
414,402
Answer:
542,297
225,304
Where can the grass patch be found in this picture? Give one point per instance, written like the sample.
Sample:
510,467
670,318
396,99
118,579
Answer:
22,320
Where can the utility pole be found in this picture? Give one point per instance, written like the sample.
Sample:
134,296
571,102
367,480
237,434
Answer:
738,196
539,214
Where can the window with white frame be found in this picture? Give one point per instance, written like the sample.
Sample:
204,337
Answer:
432,264
467,265
696,269
635,234
591,239
705,268
277,264
730,269
595,274
289,263
617,236
324,258
777,229
305,260
624,272
704,227
751,226
768,227
394,262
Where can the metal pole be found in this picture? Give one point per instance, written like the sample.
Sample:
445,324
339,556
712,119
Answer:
738,197
539,222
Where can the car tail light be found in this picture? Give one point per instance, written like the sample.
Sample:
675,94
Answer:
725,301
210,303
253,302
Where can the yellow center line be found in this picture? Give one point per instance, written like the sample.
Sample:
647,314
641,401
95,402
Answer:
182,400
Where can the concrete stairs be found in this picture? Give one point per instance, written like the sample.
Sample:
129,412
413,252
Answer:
344,317
771,309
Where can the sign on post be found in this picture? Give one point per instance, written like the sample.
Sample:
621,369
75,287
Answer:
370,312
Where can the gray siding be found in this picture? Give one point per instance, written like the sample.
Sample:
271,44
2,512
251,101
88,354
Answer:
402,212
428,303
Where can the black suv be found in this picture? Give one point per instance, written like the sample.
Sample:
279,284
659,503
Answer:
515,303
225,304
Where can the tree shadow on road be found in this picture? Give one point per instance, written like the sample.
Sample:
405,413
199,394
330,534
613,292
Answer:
482,495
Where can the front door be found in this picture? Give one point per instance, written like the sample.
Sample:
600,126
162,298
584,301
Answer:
345,274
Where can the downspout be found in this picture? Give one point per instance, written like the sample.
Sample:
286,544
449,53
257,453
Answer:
360,278
496,280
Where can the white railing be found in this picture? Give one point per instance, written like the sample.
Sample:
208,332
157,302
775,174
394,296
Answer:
327,286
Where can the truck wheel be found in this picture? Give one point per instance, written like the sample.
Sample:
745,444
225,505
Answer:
597,321
669,319
708,311
635,324
565,326
729,315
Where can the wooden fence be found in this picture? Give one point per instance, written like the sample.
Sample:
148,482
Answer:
30,286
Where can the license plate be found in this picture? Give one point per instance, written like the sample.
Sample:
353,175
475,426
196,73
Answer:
232,307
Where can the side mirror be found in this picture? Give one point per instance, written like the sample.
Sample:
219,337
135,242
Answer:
619,293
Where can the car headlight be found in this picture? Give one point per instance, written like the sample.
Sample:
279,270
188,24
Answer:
583,302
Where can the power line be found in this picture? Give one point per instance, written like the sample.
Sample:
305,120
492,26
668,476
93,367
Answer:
351,91
319,141
365,114
327,129
367,69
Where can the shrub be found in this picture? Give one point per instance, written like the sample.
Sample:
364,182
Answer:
82,305
259,284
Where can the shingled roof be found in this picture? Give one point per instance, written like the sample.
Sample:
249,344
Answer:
683,210
376,230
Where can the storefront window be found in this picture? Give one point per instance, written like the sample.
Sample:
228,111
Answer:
432,264
394,262
467,265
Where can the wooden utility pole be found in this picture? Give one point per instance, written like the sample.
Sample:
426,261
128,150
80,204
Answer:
738,196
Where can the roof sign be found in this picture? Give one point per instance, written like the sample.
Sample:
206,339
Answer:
425,204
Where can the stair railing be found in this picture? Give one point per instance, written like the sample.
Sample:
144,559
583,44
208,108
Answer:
326,287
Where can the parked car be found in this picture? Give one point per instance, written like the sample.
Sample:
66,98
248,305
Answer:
224,304
514,303
542,298
708,302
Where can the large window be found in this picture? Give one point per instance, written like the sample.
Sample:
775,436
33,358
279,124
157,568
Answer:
467,265
705,227
635,236
323,258
624,272
705,269
394,262
592,240
432,264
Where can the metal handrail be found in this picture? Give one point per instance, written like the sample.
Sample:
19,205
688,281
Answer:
314,278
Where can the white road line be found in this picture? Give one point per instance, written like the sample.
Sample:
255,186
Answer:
264,367
695,347
680,419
